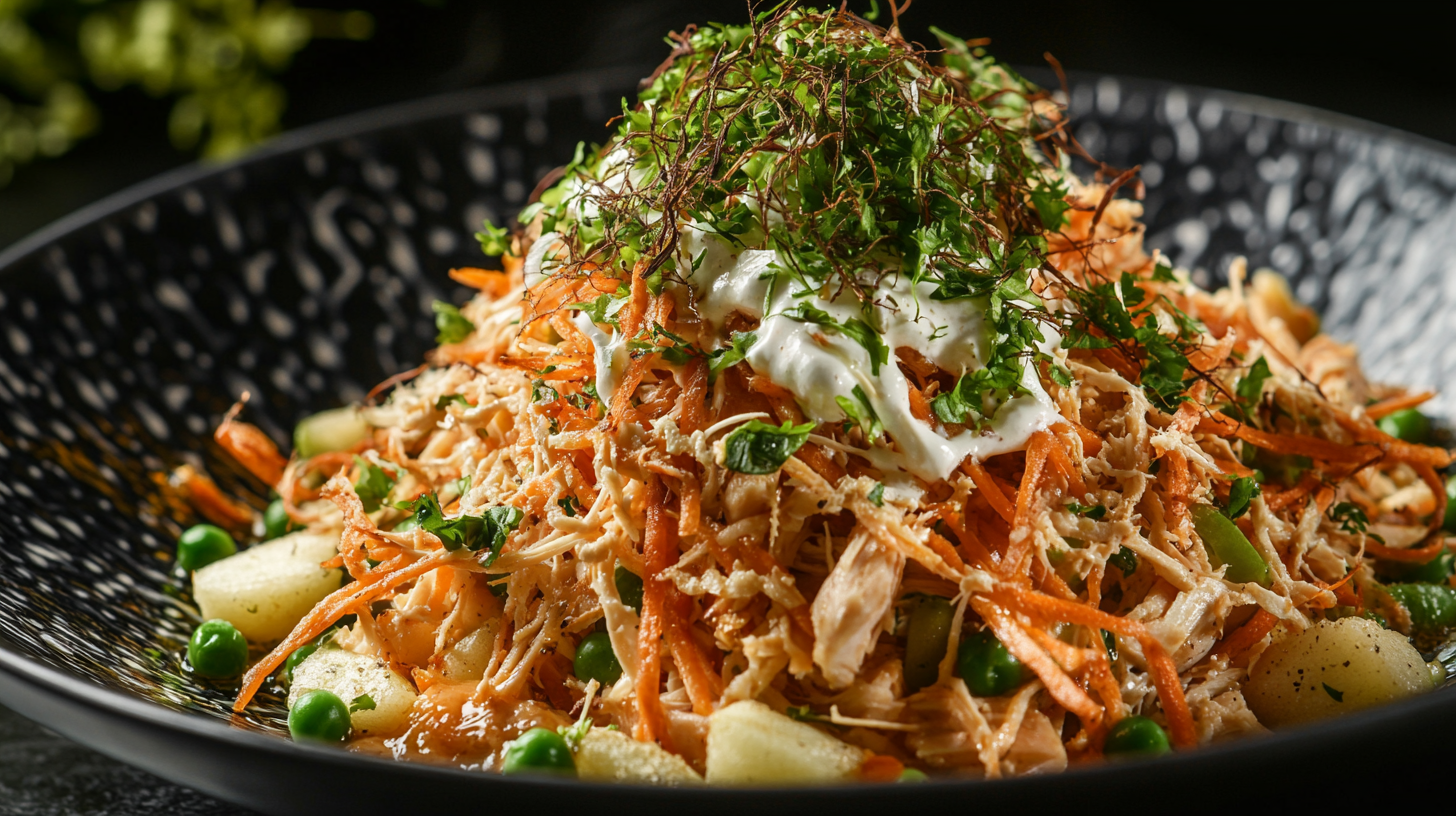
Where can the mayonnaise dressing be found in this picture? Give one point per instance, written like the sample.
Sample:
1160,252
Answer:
818,364
610,356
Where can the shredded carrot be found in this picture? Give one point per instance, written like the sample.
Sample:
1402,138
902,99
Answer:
1386,407
660,551
946,551
1245,637
1063,463
696,670
881,768
1165,673
250,447
1413,555
330,609
1028,498
493,283
208,500
1091,442
990,490
1061,687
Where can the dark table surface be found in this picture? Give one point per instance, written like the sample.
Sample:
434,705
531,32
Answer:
44,774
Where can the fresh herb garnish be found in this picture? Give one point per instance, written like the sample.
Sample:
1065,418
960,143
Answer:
725,358
1125,560
453,326
1241,495
541,392
877,494
493,240
474,533
1091,511
757,449
362,703
853,328
374,484
1352,520
843,149
452,399
861,413
1119,316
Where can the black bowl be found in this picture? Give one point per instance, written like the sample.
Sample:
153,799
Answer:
304,275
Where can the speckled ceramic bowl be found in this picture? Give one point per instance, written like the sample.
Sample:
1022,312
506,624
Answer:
304,275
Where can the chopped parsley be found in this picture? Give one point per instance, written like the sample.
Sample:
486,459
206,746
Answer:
737,352
845,151
1352,520
861,413
374,484
1241,494
493,240
1120,317
877,494
1125,560
453,327
452,399
474,533
362,703
541,392
1091,511
757,449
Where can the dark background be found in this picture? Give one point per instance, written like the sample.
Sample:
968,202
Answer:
1390,64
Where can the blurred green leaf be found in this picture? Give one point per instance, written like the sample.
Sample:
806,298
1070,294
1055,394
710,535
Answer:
216,60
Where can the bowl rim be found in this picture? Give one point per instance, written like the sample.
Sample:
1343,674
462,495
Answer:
1239,752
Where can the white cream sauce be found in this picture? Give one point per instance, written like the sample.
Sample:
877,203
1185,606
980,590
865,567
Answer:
818,364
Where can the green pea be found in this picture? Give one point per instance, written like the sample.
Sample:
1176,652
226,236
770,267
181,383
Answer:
217,649
913,775
538,751
987,667
319,716
276,521
1136,736
595,659
925,641
629,588
203,544
1409,424
1432,607
1226,545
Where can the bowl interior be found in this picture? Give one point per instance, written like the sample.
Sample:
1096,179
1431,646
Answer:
305,274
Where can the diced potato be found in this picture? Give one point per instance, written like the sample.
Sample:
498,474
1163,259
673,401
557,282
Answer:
751,744
335,430
265,589
351,676
611,756
1333,667
465,662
